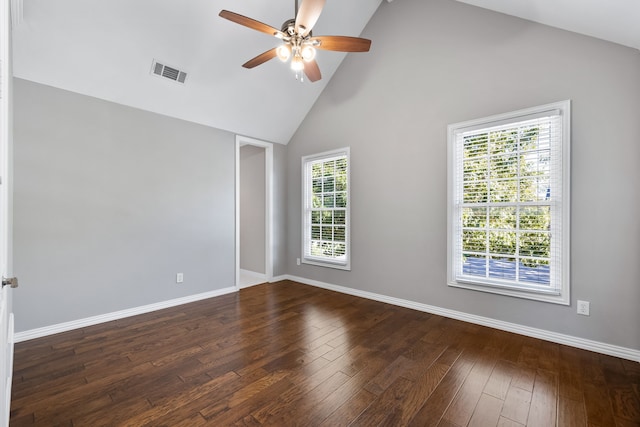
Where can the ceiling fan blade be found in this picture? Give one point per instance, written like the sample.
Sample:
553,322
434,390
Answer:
342,43
260,59
308,15
312,71
251,23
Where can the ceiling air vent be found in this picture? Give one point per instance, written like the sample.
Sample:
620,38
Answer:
168,72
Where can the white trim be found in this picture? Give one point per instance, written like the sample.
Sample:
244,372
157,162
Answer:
108,317
268,216
585,344
253,274
279,278
260,278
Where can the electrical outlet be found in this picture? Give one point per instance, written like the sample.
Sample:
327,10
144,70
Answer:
298,261
179,278
583,307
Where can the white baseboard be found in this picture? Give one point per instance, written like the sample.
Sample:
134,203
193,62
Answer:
585,344
94,320
253,274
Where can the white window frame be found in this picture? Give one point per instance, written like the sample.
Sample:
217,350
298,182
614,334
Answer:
557,293
307,258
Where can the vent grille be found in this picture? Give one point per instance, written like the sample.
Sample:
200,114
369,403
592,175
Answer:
168,72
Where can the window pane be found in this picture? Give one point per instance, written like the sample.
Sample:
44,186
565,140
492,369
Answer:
529,137
327,217
505,166
327,249
475,145
328,185
316,249
504,141
474,217
474,241
339,234
328,200
315,217
535,189
502,242
341,200
535,272
327,233
502,218
316,170
502,268
317,186
475,169
316,201
503,191
329,168
535,244
475,192
315,232
474,265
535,217
339,216
535,163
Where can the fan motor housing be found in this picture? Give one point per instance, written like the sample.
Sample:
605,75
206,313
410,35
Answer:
289,28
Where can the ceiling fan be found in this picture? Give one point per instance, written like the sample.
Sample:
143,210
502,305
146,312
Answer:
299,44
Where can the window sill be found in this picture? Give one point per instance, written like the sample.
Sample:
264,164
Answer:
536,295
321,263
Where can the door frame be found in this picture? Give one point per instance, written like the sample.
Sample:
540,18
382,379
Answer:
268,204
6,191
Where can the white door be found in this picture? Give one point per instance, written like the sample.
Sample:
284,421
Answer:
6,317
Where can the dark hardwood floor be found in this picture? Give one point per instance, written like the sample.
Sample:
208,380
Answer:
287,354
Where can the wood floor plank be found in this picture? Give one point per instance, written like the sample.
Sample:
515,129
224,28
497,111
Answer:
516,405
543,400
437,403
487,413
286,354
571,413
464,404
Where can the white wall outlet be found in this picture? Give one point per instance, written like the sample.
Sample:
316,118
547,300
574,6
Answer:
298,261
583,307
179,278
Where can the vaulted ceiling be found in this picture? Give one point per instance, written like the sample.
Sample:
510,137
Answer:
105,49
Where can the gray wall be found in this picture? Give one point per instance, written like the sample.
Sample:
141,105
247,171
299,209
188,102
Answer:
438,62
110,203
252,208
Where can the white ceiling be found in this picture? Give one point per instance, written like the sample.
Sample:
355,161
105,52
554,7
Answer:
104,48
617,21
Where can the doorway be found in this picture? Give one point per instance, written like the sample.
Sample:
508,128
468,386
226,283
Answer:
254,177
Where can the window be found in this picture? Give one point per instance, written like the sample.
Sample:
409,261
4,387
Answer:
508,211
325,210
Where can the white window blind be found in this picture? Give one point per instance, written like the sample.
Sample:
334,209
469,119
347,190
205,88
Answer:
508,205
325,218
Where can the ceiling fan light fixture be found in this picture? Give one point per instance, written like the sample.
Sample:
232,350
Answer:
284,52
308,53
298,42
296,63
